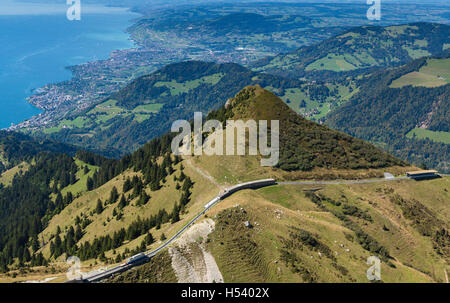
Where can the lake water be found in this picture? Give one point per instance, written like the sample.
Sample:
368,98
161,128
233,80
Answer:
37,42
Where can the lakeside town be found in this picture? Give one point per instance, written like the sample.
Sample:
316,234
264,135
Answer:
93,81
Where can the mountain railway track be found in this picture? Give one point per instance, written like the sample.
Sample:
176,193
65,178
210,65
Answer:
223,195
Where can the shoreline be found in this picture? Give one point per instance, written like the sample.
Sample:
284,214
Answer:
37,91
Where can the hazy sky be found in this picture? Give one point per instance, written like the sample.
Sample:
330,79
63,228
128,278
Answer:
48,7
14,7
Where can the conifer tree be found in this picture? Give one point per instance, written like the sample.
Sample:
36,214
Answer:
99,207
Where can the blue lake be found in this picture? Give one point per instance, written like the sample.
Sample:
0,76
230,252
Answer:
36,48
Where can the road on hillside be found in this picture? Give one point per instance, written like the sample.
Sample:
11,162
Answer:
342,182
258,184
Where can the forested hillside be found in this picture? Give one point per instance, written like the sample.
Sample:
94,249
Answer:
26,206
52,182
360,49
17,147
388,115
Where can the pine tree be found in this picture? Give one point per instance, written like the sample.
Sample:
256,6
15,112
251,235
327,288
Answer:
122,202
35,244
102,257
143,246
99,207
149,239
144,198
78,233
58,246
59,202
26,255
182,176
90,184
114,195
175,214
127,185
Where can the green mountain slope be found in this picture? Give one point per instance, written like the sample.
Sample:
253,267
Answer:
103,210
404,112
146,107
26,205
360,49
305,233
327,236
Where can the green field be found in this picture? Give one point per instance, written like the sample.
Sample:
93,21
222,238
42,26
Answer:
421,43
314,109
336,63
342,63
396,30
7,177
104,112
79,122
177,88
148,108
420,133
435,73
80,185
416,53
